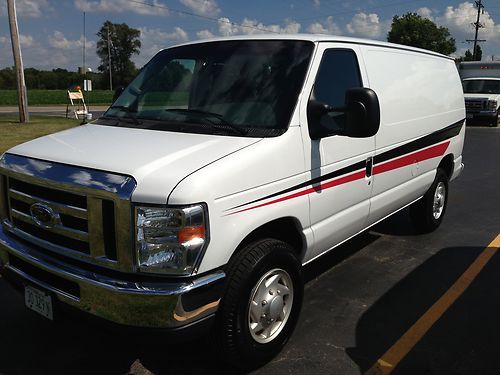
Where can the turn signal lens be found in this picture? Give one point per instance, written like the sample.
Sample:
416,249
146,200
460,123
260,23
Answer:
188,234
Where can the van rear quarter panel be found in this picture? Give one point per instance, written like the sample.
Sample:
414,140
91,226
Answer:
419,94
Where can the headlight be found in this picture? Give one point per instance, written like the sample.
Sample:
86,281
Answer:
492,105
170,240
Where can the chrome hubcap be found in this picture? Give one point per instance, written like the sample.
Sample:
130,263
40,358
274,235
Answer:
270,305
439,200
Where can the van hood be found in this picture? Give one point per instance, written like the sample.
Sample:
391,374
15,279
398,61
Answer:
157,160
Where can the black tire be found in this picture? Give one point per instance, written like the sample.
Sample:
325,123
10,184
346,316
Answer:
232,334
424,214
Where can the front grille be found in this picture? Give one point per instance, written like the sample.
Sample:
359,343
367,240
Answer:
68,211
70,232
475,104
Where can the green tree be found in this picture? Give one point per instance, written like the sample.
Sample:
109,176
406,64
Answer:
124,42
414,30
470,57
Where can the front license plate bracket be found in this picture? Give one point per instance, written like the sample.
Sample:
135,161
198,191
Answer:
39,301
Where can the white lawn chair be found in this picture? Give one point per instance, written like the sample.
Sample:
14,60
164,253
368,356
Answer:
78,106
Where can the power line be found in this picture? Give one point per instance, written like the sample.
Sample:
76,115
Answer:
363,10
186,13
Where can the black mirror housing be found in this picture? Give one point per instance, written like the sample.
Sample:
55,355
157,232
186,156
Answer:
315,111
362,110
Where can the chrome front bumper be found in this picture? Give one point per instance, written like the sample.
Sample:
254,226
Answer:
144,302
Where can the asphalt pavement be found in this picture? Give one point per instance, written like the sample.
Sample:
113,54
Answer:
360,300
52,110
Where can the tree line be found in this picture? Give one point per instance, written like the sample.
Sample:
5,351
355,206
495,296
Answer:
55,79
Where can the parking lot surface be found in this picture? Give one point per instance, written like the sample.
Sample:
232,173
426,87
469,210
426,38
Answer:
387,301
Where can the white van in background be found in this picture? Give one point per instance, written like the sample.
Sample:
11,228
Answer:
481,85
222,169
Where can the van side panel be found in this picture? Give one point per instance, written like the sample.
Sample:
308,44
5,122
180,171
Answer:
419,95
247,189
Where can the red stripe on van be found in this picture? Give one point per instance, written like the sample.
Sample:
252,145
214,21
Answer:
406,160
403,161
327,185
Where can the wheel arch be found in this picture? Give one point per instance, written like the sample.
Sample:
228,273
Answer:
447,164
286,229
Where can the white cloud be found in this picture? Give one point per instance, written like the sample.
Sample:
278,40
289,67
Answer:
59,41
250,27
327,27
425,13
365,25
155,8
29,8
25,40
459,22
204,34
41,54
316,3
202,7
153,40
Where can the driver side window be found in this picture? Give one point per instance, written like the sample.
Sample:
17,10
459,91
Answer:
338,72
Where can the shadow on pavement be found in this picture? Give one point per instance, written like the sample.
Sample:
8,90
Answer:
399,224
325,262
33,345
30,344
465,340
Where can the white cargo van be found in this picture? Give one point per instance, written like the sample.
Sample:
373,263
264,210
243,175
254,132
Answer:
481,85
223,168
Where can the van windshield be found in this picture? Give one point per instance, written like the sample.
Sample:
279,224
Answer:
481,86
243,88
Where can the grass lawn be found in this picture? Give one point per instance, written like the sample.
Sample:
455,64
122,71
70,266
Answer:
13,133
46,97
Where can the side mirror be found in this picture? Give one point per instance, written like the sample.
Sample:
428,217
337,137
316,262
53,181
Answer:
315,111
118,91
362,115
362,112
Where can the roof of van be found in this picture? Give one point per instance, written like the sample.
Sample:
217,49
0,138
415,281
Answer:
319,38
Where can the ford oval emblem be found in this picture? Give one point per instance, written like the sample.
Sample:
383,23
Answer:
43,215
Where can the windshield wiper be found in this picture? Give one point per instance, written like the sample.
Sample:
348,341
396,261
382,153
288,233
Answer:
126,109
224,124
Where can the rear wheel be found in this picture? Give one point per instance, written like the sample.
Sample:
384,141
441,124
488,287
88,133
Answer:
427,213
261,305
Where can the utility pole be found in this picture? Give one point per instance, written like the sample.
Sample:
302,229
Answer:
109,63
477,25
84,42
22,97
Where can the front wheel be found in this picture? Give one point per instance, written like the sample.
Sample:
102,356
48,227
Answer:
261,304
427,213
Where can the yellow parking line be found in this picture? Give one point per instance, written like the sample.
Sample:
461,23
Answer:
386,364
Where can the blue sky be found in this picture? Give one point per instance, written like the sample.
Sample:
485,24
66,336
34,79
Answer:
52,31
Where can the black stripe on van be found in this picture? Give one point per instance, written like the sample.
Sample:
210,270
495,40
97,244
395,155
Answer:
426,141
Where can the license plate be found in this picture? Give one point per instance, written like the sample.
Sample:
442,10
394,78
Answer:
38,301
469,115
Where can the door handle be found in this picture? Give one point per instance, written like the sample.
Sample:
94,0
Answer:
369,167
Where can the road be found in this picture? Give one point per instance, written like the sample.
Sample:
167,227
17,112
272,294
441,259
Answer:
359,301
52,110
